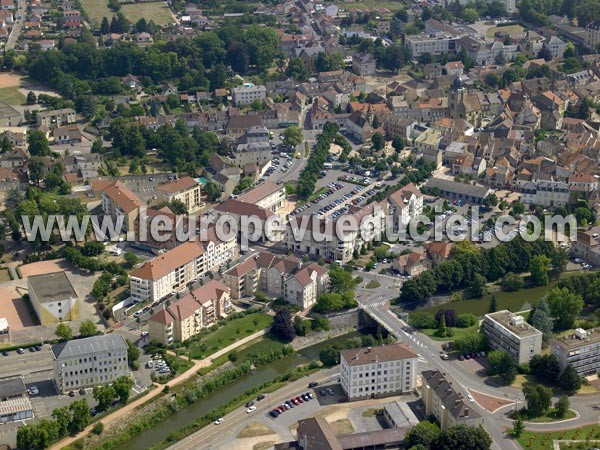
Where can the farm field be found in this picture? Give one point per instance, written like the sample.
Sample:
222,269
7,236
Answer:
159,12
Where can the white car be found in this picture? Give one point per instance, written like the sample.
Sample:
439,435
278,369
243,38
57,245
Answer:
470,397
219,421
33,390
251,409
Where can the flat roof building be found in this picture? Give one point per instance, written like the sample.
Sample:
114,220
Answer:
14,402
88,362
581,350
53,297
511,333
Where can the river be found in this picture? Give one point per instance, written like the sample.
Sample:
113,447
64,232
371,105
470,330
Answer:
216,399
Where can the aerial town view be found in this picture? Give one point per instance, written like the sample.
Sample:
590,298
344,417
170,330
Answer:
300,224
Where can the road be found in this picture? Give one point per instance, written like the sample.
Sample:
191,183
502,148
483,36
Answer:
205,438
15,32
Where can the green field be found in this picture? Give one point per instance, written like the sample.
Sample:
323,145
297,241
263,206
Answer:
157,11
12,96
232,331
372,4
458,332
510,29
543,441
514,301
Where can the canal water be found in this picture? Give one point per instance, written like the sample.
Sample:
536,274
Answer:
218,398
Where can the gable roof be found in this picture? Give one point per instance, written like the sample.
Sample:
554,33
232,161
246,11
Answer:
167,262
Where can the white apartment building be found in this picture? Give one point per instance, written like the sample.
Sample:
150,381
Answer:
247,93
319,239
580,350
432,43
88,362
168,272
371,372
186,190
404,204
509,332
267,195
545,193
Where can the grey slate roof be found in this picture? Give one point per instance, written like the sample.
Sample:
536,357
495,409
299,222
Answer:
85,346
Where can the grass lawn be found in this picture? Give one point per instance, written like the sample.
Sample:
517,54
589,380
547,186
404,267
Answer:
315,194
511,29
524,380
543,441
515,301
457,333
96,10
157,11
342,426
12,96
370,4
372,412
373,284
262,346
551,418
232,331
255,429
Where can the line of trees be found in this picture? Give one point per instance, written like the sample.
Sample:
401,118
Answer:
427,435
472,268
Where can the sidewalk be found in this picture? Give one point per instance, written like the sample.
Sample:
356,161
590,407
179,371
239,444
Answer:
116,415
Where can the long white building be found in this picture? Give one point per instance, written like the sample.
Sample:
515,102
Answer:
88,362
371,372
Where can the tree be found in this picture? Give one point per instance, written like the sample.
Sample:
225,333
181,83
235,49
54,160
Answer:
64,331
424,434
398,143
104,395
122,387
62,417
538,267
469,343
329,356
81,416
518,209
493,306
463,437
213,191
297,70
37,143
470,15
562,406
538,399
540,319
378,141
565,306
114,5
282,326
449,316
490,200
87,328
104,27
478,286
6,145
340,279
442,330
545,367
503,365
511,282
569,381
292,136
518,427
37,169
133,355
31,98
130,260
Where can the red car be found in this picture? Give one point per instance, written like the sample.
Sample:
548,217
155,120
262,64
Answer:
300,399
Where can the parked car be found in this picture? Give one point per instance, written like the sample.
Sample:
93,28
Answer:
33,390
274,413
249,404
219,421
461,358
251,409
5,353
322,392
329,391
260,397
20,351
